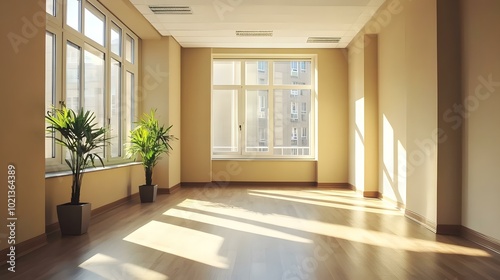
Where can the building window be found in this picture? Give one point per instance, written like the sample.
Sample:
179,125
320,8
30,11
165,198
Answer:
303,67
96,74
294,115
251,119
262,66
294,68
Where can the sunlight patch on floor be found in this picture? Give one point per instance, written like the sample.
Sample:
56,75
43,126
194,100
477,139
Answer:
365,236
110,268
234,225
180,241
303,199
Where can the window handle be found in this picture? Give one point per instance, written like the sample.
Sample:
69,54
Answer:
240,127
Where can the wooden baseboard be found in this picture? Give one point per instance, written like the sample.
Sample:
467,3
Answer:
480,239
170,190
346,186
448,229
263,184
399,205
98,211
421,220
195,184
24,247
371,194
174,189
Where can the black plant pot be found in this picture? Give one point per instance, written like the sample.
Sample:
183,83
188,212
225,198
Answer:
74,219
148,193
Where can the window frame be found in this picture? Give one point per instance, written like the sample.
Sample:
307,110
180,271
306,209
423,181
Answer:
64,34
271,87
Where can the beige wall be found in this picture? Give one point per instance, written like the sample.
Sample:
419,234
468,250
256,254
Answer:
363,114
421,87
98,188
407,102
356,115
264,171
174,110
196,164
23,136
449,185
481,150
160,90
392,106
331,166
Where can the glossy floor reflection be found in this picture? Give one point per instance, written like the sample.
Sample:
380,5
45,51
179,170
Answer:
257,233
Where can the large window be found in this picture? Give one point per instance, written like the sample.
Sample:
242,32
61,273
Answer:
86,68
256,105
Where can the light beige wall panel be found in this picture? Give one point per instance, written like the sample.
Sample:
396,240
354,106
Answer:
154,94
196,65
371,141
449,184
356,116
23,136
174,110
393,107
421,82
481,76
264,171
98,188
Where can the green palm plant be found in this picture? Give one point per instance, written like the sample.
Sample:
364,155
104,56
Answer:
149,140
79,133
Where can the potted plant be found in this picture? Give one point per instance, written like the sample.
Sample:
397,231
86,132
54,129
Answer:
149,140
82,139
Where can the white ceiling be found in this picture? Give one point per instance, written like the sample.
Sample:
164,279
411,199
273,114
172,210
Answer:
213,22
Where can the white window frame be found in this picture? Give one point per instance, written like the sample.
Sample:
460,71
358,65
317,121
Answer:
64,33
241,89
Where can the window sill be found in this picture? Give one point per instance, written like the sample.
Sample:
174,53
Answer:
225,158
55,174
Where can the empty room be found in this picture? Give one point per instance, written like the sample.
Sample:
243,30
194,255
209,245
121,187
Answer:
250,139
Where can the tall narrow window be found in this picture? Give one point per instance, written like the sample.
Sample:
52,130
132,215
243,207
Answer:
116,40
130,103
225,114
115,114
73,72
50,89
50,7
74,14
94,84
95,26
129,49
256,113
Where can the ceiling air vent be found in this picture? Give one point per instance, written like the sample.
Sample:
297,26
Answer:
324,40
171,10
254,33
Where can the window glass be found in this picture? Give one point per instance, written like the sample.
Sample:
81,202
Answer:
266,119
225,115
116,40
74,14
256,73
73,84
50,92
256,121
95,25
50,7
287,73
94,84
226,72
115,107
129,49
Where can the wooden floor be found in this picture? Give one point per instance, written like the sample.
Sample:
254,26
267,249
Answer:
257,233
